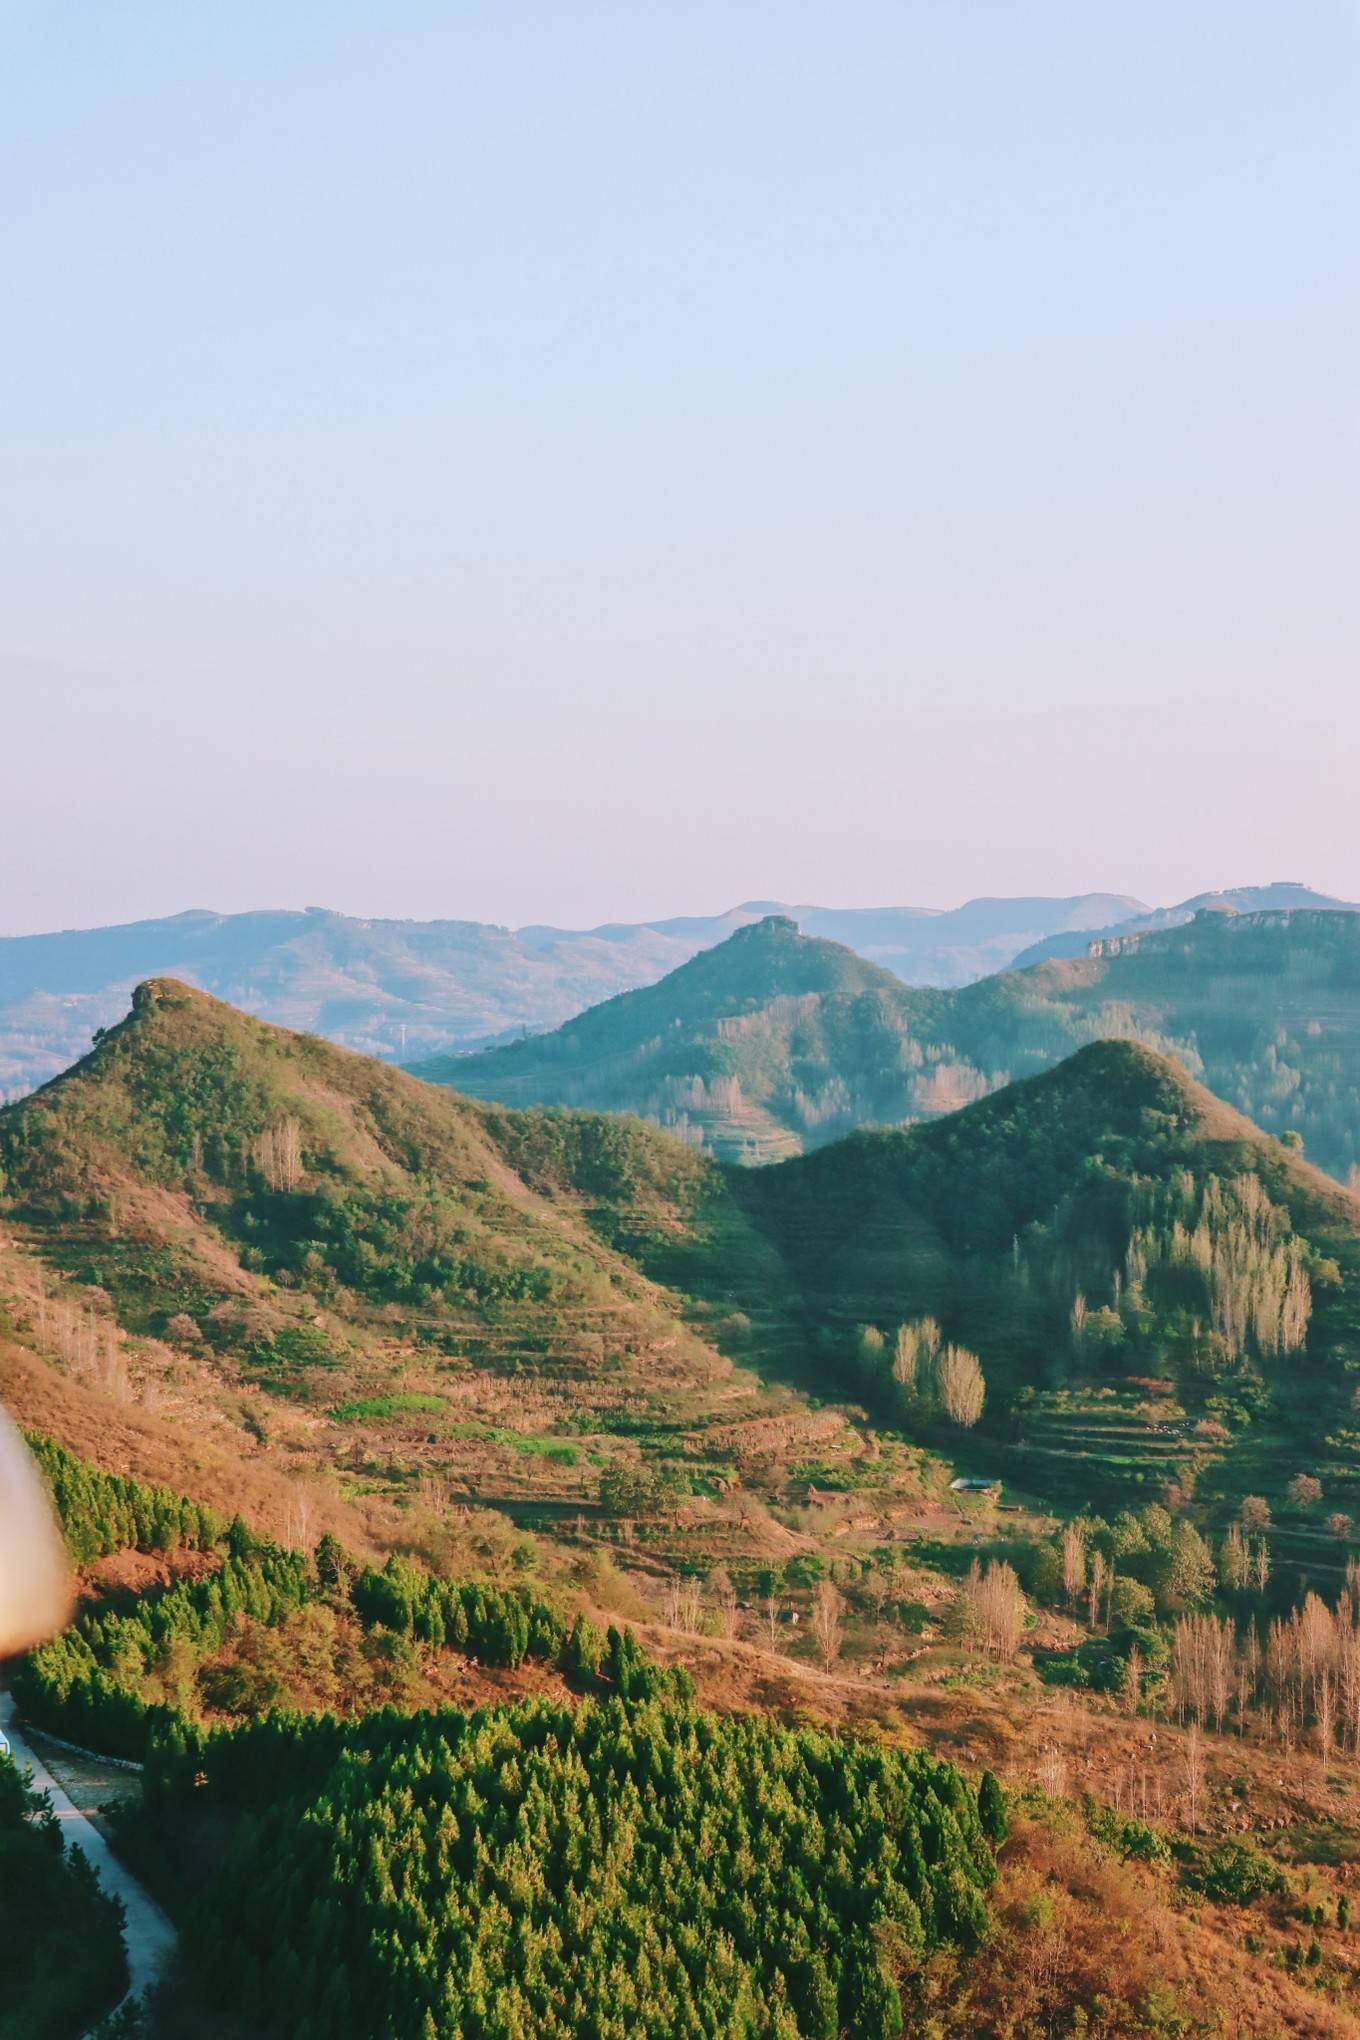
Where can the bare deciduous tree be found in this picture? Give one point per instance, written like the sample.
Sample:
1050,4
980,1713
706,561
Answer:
1194,1774
298,1517
278,1154
998,1606
828,1608
1073,1560
1097,1587
683,1606
906,1351
961,1385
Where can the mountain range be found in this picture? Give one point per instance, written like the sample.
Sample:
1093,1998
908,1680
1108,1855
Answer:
311,1247
777,1042
405,988
486,1440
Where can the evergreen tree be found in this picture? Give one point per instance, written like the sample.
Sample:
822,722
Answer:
992,1809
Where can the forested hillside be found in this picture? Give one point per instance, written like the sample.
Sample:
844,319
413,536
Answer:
1105,1241
747,1050
1263,1008
250,1626
61,1952
619,1869
777,1043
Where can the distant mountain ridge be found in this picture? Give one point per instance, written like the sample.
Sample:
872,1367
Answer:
747,1049
401,989
1281,896
778,1042
771,1043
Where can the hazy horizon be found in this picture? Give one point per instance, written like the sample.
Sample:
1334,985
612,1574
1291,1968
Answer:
584,465
704,909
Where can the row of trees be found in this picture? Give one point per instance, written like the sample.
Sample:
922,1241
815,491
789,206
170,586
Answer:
1301,1680
105,1512
504,1626
614,1869
1095,1563
1123,1573
1237,1247
919,1375
130,1663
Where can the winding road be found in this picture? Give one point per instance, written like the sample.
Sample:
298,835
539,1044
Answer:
149,1934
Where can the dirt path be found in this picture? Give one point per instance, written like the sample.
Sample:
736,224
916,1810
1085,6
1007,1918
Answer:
149,1934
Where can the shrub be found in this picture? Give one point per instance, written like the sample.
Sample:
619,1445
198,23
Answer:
1235,1874
1134,1840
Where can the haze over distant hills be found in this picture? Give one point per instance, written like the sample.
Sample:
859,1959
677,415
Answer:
406,988
772,1041
777,1042
1282,896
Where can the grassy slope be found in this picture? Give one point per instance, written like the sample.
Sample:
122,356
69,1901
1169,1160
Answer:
438,1298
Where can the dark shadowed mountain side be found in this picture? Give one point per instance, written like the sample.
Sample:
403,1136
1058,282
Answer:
1284,896
776,1042
405,988
1155,1290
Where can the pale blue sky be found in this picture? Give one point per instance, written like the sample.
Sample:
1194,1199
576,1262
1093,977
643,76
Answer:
578,461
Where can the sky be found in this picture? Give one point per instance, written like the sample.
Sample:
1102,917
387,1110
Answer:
568,462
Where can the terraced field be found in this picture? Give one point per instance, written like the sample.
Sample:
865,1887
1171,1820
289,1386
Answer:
1109,1447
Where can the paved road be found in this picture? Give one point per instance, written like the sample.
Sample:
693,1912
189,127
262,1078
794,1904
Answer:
150,1936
